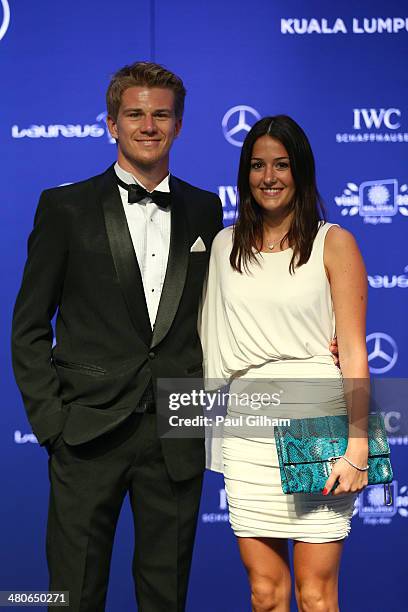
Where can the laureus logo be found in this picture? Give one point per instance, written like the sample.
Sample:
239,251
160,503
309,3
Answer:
101,118
20,438
389,281
70,130
4,17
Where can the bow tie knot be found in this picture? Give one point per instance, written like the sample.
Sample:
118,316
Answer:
136,193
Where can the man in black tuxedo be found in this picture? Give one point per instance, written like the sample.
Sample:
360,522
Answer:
121,257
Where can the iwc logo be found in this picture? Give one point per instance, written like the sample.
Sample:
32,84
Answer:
374,201
219,514
228,197
4,17
375,125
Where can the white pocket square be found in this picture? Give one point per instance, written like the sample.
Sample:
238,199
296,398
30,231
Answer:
198,246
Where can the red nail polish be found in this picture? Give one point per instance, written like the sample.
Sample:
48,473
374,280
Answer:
325,491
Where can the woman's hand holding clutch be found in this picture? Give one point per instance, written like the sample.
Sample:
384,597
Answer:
350,472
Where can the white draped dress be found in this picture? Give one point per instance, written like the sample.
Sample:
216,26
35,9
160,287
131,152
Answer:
269,330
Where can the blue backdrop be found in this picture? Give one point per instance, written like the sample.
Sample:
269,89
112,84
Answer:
339,69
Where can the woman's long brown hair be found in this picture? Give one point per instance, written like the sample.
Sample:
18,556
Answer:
307,204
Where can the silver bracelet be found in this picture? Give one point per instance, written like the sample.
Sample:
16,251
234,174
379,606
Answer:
360,469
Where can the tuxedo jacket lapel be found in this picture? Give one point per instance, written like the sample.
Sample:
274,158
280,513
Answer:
126,264
176,267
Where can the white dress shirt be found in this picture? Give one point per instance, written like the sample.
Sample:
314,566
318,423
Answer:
149,227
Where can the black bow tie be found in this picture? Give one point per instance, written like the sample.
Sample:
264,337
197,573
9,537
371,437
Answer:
136,193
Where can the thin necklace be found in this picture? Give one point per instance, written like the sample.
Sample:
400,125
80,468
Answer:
272,245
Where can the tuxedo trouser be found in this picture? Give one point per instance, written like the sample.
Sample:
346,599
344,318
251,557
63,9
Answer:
88,485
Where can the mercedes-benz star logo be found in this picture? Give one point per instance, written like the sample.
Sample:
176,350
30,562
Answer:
6,18
382,352
243,119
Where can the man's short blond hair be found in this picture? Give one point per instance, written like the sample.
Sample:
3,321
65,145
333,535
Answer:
145,74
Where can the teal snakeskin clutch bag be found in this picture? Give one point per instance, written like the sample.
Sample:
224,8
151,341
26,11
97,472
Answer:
308,448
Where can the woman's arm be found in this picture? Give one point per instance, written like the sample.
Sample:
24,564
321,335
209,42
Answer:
348,282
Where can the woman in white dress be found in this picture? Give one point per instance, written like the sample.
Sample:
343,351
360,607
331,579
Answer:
282,282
